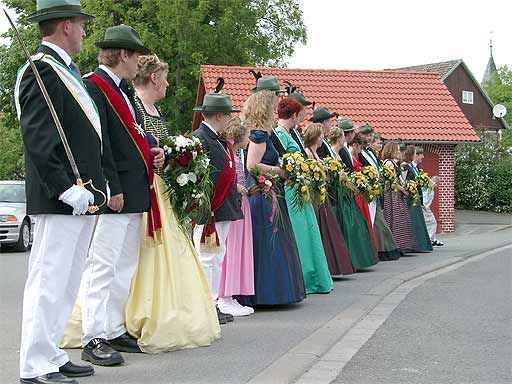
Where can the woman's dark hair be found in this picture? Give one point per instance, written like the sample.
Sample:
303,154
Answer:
409,153
359,139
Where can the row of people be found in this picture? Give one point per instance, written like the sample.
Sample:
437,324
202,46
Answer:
143,285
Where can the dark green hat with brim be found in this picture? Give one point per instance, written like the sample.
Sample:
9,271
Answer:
346,124
321,114
300,98
124,37
267,84
216,103
365,129
403,147
420,150
57,9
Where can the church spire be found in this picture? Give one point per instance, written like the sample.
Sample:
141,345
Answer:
490,70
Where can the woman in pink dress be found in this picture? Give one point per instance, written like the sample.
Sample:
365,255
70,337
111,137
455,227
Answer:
237,276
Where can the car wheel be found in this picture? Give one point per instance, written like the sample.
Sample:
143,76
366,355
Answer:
24,240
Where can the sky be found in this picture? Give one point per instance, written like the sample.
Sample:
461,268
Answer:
379,34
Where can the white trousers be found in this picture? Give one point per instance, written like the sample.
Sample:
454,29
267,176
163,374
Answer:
212,261
430,222
373,210
55,268
108,274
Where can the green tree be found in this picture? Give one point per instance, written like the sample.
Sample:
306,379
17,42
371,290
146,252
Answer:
499,89
185,33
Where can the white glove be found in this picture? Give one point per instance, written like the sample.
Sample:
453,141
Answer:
77,197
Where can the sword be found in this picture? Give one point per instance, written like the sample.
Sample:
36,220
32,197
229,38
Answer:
60,130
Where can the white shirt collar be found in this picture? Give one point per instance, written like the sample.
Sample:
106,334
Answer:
210,127
59,51
112,75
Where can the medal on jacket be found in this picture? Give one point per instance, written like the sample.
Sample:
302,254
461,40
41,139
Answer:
139,129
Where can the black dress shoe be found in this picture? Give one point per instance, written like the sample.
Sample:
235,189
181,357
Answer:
50,378
74,370
99,352
125,343
223,317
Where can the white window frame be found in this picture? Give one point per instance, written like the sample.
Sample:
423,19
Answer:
467,97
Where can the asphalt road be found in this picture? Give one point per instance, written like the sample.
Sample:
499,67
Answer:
455,328
249,345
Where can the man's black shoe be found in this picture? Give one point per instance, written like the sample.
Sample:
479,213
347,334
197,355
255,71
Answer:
74,370
99,352
125,343
50,378
223,317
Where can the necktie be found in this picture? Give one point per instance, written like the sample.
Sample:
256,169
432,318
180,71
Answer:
128,95
123,85
74,68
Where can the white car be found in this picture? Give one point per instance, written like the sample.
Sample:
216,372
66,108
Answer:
16,227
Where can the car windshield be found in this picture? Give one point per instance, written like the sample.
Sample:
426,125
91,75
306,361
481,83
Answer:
12,193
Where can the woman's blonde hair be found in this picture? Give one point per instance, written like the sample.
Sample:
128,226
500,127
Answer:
259,111
236,130
311,133
391,150
147,65
334,134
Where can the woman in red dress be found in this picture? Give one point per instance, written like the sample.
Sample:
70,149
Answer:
355,148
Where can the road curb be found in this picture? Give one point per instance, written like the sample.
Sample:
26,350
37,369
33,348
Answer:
316,359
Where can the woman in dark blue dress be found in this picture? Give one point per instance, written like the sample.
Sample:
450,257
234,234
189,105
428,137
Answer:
278,275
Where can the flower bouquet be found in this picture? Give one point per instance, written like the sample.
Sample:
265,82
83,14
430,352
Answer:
266,186
336,176
374,188
424,181
412,192
360,182
389,177
318,181
299,178
187,176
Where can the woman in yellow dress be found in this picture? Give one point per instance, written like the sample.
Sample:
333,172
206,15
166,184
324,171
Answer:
170,306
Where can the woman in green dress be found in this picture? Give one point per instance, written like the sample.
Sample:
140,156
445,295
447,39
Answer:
410,171
317,277
350,218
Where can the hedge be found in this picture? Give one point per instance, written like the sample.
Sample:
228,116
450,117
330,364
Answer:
483,175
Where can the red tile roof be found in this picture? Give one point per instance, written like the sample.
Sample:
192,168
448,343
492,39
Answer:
412,106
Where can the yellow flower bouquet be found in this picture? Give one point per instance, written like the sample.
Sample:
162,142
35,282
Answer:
299,176
360,182
318,184
389,178
412,189
336,176
424,180
374,188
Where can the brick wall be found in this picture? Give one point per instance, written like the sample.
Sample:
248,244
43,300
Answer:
446,188
440,160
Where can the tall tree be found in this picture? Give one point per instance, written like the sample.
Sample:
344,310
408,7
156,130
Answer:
185,33
499,89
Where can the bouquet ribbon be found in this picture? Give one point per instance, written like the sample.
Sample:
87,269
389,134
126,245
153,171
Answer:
274,206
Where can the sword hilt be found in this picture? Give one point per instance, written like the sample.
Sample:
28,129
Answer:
92,208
